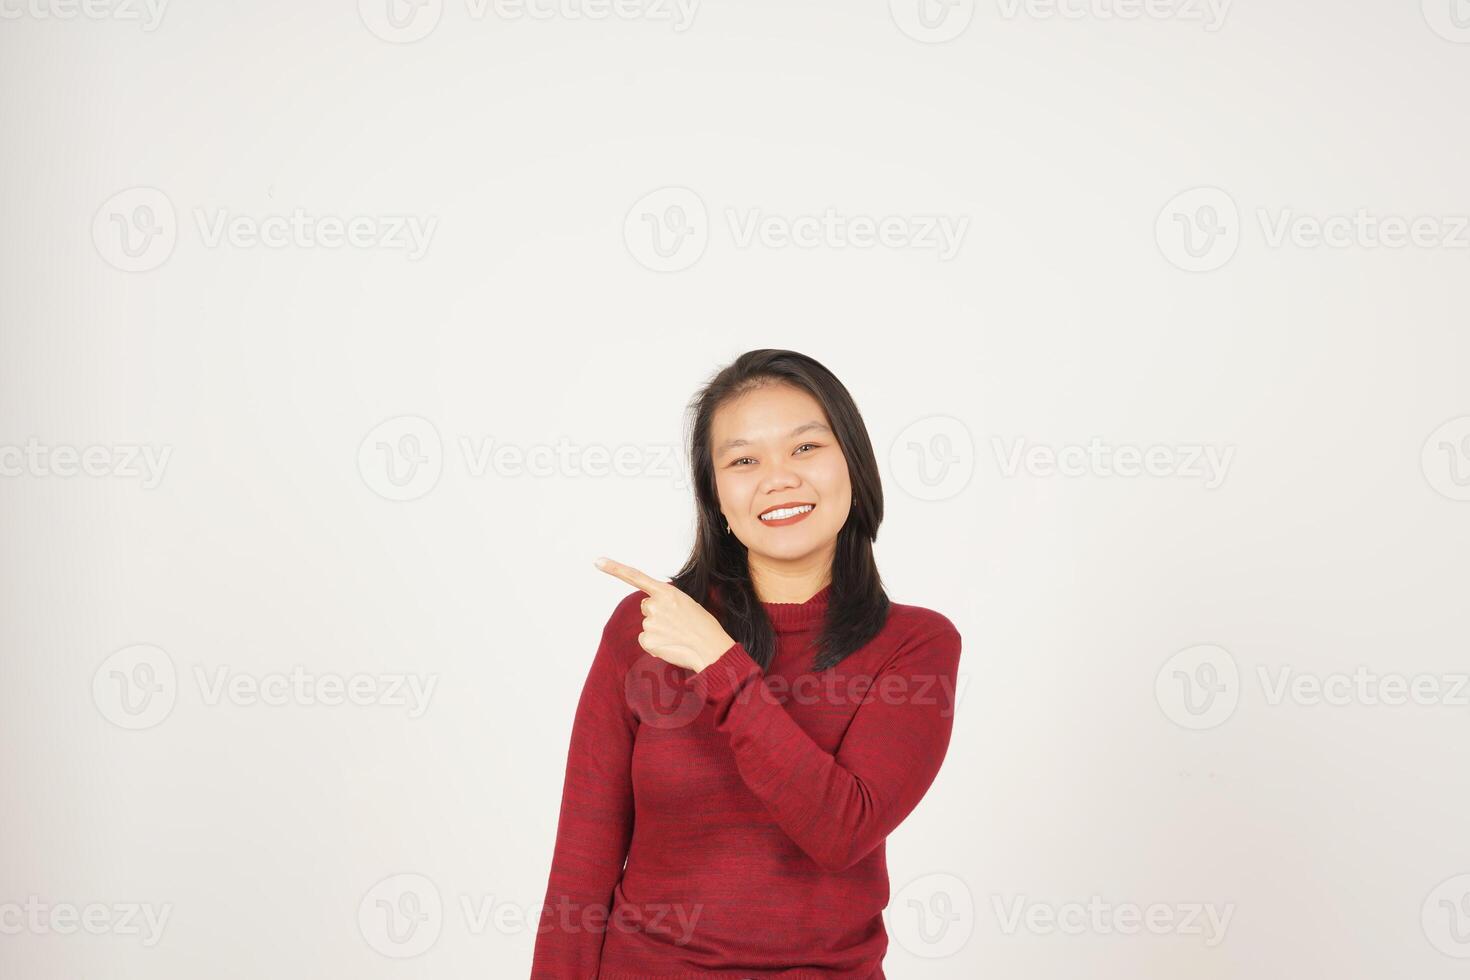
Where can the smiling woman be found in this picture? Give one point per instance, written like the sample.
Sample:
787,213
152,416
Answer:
728,788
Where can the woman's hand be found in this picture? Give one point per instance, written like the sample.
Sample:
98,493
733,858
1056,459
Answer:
676,629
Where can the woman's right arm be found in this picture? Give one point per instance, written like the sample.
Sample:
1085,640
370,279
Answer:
596,821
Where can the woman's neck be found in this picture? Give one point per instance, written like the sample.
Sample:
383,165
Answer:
775,584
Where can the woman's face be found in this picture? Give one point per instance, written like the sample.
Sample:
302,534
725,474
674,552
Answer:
772,446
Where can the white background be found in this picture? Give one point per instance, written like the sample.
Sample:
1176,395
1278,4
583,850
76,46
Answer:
1334,376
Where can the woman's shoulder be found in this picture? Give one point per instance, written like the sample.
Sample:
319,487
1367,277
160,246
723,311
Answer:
627,614
624,623
910,622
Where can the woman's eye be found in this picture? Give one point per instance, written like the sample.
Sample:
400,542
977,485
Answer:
737,462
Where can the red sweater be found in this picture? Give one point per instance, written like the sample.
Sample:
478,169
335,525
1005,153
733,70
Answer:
751,807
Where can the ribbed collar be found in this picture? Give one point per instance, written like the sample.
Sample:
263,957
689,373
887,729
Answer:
789,617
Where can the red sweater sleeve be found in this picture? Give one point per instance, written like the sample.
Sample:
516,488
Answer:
837,808
595,825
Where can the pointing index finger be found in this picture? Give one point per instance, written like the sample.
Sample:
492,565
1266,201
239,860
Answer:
630,575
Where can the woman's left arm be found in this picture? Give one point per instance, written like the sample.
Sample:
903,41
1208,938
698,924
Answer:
837,808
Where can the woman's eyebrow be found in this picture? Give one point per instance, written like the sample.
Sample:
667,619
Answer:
805,426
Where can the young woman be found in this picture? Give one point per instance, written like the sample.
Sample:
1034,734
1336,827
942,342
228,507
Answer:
751,731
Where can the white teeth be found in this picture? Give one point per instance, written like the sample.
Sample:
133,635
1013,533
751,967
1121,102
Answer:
777,515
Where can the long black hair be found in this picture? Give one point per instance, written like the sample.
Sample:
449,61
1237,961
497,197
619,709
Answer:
857,607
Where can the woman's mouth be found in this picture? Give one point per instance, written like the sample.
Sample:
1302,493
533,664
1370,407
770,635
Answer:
781,516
